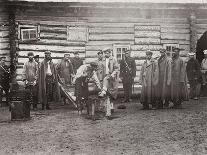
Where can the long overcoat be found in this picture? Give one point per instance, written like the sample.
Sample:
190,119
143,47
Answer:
42,82
148,79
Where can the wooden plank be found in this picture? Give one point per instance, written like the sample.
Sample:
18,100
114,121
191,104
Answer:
174,30
175,26
175,41
91,54
147,27
26,47
4,45
147,41
140,55
53,42
111,30
146,47
109,42
5,52
139,62
175,36
103,37
147,34
4,34
98,47
53,29
46,35
4,40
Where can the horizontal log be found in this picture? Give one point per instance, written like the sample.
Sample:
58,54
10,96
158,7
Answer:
139,62
22,60
5,52
112,30
98,47
147,34
175,36
45,35
4,28
174,26
140,55
4,45
26,47
185,47
175,41
147,41
109,42
147,27
146,47
53,29
53,42
4,40
4,34
91,54
88,60
54,55
110,37
175,30
201,30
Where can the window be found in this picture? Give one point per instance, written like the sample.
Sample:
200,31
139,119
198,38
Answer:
170,48
28,32
118,51
77,33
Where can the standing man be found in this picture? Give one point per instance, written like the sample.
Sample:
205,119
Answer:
179,92
65,69
81,80
29,76
164,80
127,74
204,74
76,61
4,79
100,69
48,83
37,59
148,80
194,76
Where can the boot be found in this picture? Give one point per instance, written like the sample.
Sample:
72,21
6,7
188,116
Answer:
48,107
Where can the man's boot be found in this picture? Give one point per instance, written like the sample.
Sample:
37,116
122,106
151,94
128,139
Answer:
48,107
43,107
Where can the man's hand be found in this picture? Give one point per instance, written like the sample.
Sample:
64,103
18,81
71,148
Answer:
34,83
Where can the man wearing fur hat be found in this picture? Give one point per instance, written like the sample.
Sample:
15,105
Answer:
148,80
179,91
48,83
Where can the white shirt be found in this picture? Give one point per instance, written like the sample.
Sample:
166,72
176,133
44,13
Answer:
107,65
49,72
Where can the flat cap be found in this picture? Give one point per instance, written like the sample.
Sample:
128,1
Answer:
162,50
107,50
148,52
36,56
76,52
30,54
47,52
100,52
94,64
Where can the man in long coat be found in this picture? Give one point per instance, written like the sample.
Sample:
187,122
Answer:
179,92
48,83
194,76
127,74
164,80
65,69
148,80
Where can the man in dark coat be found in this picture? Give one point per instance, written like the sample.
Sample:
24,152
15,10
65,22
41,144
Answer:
76,61
65,69
164,80
179,91
194,76
48,83
127,74
4,79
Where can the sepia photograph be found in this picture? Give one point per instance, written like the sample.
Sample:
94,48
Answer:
103,77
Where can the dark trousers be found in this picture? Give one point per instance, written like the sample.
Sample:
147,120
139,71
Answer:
127,85
49,91
194,89
32,95
6,90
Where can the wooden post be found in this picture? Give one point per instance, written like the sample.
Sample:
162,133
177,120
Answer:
12,39
193,32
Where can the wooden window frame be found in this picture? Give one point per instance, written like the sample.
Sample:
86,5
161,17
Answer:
116,46
28,28
176,45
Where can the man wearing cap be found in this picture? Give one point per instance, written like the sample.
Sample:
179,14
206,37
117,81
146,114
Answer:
148,80
29,76
164,80
194,76
81,80
179,91
48,83
4,79
65,69
127,74
76,61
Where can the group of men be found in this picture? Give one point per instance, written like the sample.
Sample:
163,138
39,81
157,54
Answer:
42,78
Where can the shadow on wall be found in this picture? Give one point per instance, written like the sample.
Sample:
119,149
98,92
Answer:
201,45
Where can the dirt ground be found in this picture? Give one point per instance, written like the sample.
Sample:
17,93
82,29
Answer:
132,131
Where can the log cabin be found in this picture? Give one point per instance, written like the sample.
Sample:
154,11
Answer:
65,27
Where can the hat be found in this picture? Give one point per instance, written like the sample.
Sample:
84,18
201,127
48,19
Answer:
36,56
76,52
205,51
100,52
148,52
162,50
191,54
176,49
47,52
94,64
107,50
30,54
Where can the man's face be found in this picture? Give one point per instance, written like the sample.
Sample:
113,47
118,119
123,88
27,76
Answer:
36,59
107,54
100,56
205,55
162,54
149,56
76,55
31,57
191,56
67,57
175,53
127,54
48,56
3,60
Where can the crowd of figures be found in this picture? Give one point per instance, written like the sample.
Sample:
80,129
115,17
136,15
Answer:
164,79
